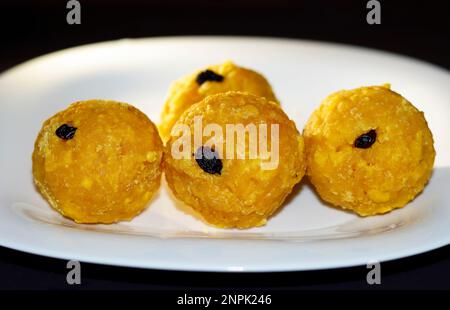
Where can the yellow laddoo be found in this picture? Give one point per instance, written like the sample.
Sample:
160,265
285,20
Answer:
233,187
209,81
98,161
368,150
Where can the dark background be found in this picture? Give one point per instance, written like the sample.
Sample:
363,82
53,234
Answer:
416,28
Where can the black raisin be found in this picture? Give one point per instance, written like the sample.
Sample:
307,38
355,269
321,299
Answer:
65,132
208,75
366,140
208,160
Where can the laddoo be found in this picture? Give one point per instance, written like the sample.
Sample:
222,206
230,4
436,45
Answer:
98,161
368,150
208,81
227,181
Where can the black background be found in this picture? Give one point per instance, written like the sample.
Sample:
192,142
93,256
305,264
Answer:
416,28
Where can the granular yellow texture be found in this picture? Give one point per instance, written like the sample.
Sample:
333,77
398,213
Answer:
244,194
110,168
186,91
381,177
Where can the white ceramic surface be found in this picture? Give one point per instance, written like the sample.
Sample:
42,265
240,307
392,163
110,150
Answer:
305,234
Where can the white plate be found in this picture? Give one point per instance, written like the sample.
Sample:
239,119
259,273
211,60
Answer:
305,234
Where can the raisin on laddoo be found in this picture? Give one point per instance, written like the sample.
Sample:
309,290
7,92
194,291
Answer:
246,160
98,161
212,80
369,150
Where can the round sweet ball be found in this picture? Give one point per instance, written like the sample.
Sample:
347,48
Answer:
234,159
369,150
98,161
209,81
